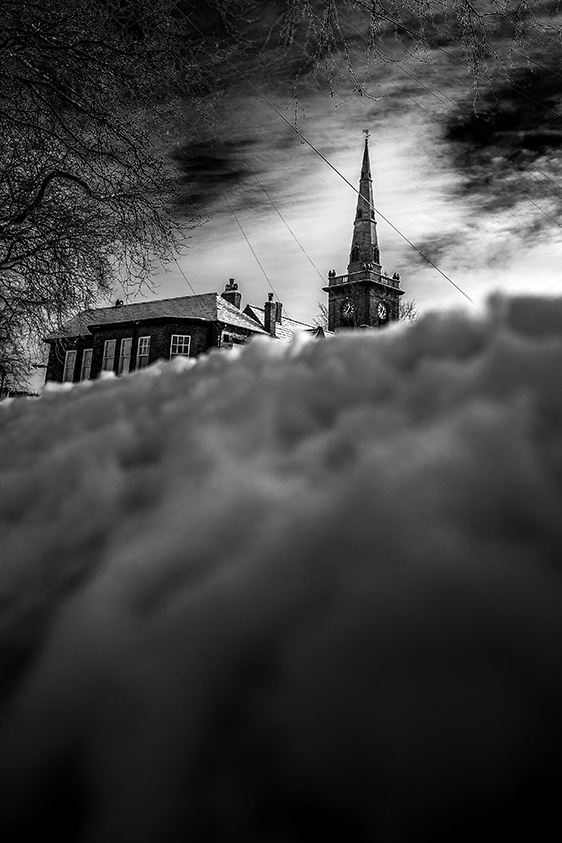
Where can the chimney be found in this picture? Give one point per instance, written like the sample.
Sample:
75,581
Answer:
270,314
231,293
279,312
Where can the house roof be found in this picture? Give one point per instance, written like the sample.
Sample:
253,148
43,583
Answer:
284,330
208,306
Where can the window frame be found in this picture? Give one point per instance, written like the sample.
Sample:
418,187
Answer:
143,354
122,367
86,366
176,337
69,369
108,358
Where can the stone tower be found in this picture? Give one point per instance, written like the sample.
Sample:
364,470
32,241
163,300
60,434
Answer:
366,297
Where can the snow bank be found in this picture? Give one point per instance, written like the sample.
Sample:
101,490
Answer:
289,594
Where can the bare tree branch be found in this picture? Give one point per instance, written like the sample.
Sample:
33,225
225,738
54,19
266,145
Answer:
88,193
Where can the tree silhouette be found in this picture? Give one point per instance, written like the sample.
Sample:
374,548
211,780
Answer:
90,93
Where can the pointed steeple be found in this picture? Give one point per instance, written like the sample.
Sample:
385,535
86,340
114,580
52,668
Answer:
366,297
364,244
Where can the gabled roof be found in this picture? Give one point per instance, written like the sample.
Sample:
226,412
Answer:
284,330
208,306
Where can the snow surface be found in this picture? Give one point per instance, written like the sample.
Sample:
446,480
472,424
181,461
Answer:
290,593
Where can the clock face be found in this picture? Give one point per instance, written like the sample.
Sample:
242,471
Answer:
348,309
382,311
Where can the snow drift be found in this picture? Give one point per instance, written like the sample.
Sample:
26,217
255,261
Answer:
295,593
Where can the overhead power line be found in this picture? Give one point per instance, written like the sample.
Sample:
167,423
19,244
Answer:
420,36
246,238
210,314
281,216
456,111
456,58
239,224
323,157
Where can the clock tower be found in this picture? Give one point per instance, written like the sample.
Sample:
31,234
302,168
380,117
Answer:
366,297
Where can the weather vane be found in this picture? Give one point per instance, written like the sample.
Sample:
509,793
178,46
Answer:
367,134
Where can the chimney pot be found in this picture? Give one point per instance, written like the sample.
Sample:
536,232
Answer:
231,294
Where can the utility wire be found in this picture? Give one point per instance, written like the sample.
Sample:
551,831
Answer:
299,244
419,36
482,129
323,157
456,111
531,35
186,279
212,316
249,244
492,168
239,224
306,141
457,59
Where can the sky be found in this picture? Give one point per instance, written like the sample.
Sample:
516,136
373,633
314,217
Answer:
474,185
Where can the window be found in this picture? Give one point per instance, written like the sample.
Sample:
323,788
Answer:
108,355
180,345
125,356
355,254
143,351
359,213
86,364
228,339
69,365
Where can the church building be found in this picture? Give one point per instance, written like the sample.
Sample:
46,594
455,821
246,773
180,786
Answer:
366,297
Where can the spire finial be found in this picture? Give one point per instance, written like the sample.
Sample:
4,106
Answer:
367,134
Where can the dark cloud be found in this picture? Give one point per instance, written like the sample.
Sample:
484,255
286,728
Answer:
437,247
516,125
524,113
206,169
512,142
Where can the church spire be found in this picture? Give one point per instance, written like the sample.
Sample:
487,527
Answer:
364,244
366,297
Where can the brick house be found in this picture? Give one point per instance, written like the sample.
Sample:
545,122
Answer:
126,337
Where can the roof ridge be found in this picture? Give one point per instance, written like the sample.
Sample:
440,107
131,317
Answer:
147,301
208,307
